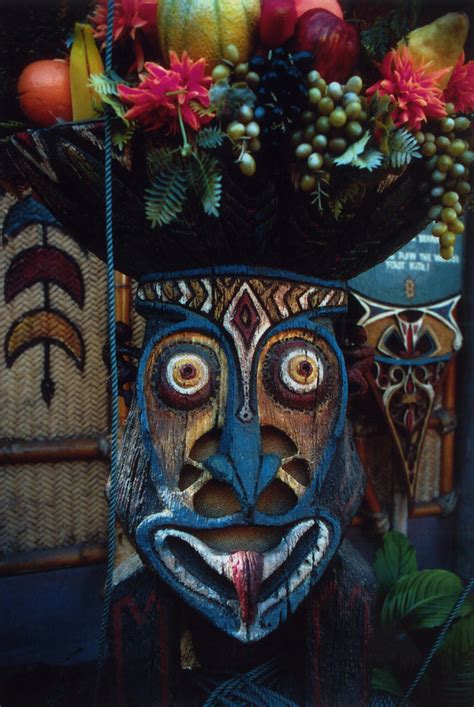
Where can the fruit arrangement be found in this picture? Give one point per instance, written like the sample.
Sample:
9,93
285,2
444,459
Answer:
347,104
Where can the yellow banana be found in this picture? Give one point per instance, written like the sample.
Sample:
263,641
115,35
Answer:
84,61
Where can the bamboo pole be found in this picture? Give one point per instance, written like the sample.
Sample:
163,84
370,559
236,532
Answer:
448,439
53,559
123,287
39,451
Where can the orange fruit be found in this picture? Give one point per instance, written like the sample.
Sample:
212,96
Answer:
333,6
44,92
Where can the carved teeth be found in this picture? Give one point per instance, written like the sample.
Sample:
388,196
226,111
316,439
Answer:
219,561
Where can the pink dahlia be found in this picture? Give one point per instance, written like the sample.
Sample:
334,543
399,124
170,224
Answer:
170,96
129,15
460,89
413,89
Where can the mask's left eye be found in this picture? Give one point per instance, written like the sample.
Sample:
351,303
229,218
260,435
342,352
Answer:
187,377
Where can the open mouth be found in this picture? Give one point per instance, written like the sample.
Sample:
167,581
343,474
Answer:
248,569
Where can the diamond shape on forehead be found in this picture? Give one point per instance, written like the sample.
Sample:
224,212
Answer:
246,318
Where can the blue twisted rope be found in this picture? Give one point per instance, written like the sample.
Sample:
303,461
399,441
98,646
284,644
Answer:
439,640
114,403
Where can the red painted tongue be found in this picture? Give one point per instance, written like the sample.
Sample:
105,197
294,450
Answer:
247,568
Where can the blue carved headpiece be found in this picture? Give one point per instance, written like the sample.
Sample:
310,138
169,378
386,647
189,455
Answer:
237,497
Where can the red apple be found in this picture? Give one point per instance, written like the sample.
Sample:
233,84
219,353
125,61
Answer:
334,43
333,6
277,22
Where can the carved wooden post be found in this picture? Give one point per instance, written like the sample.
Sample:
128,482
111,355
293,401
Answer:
238,477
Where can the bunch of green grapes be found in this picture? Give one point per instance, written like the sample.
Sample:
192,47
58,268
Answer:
244,131
448,159
334,119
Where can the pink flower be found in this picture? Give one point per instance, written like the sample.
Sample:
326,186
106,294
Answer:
129,16
413,89
460,89
166,94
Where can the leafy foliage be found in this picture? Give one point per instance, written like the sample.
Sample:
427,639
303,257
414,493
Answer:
320,194
122,135
388,30
345,199
226,99
359,155
402,148
210,138
166,196
105,85
395,559
160,158
172,176
206,179
383,680
422,599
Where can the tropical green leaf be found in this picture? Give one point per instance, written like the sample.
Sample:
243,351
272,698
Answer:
395,559
320,194
164,200
452,671
422,599
458,646
402,148
200,110
388,30
345,199
161,158
123,134
206,179
353,151
383,680
106,86
226,100
210,138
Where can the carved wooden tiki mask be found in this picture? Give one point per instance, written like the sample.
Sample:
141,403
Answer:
234,466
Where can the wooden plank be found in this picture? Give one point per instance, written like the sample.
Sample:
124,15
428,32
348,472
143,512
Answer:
39,451
53,559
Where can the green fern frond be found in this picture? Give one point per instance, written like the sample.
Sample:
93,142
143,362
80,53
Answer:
122,135
387,31
206,179
226,100
105,85
357,155
202,112
320,194
346,199
402,148
210,138
164,200
369,160
160,159
353,151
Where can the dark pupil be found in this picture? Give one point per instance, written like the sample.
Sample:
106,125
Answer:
188,371
305,369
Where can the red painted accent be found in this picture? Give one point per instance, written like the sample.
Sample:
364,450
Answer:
139,616
246,319
247,568
44,264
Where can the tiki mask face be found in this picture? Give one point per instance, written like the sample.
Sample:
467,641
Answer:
412,347
241,398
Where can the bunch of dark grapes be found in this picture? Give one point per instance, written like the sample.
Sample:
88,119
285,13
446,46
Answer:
448,157
279,81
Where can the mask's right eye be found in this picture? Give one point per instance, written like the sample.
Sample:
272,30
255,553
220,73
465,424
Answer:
186,376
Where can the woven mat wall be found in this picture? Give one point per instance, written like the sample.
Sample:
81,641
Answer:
60,319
